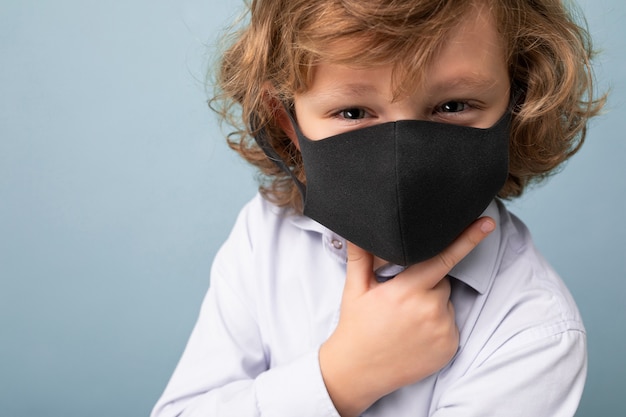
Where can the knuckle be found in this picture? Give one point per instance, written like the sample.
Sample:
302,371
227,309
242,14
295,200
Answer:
472,240
449,336
431,311
354,256
473,237
447,259
451,347
354,253
434,311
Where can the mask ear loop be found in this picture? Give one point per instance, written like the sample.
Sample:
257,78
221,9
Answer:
517,98
261,138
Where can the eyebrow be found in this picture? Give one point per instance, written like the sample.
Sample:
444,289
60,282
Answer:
471,82
351,89
478,81
362,89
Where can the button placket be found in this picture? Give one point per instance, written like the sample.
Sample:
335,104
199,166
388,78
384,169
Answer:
337,246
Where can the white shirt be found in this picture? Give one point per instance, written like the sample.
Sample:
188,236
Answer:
274,298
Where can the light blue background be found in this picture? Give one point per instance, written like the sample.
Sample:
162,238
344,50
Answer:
116,189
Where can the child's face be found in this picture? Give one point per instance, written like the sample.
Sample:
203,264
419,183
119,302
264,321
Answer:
466,84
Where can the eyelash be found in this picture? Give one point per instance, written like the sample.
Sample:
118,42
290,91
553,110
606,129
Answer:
361,113
464,105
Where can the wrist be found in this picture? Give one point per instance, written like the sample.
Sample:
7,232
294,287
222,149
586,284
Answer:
346,381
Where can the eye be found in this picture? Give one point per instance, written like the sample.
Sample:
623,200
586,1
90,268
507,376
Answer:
453,107
353,113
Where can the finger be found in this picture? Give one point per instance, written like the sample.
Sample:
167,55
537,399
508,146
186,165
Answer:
359,271
442,289
435,269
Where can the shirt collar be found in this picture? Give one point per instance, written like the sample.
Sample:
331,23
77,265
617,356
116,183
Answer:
476,269
334,245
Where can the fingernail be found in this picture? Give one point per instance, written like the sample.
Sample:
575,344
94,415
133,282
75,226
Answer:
487,226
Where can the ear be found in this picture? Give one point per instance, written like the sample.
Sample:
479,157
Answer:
280,113
285,123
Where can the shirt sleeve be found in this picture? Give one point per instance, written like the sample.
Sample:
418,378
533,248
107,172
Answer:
225,368
539,375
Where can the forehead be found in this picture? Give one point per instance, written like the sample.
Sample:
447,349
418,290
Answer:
466,49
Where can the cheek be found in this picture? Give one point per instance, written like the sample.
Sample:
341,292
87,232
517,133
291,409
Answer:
312,121
311,127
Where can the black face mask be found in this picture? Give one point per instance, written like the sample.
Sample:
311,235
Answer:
401,190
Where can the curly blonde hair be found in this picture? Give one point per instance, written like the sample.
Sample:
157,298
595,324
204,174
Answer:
548,55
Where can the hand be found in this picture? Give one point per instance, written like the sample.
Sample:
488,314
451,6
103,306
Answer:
394,333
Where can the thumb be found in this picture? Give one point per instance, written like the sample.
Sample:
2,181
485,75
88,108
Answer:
359,271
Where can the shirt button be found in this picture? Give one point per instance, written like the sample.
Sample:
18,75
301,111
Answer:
337,244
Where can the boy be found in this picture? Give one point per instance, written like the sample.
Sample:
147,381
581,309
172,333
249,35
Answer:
385,129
